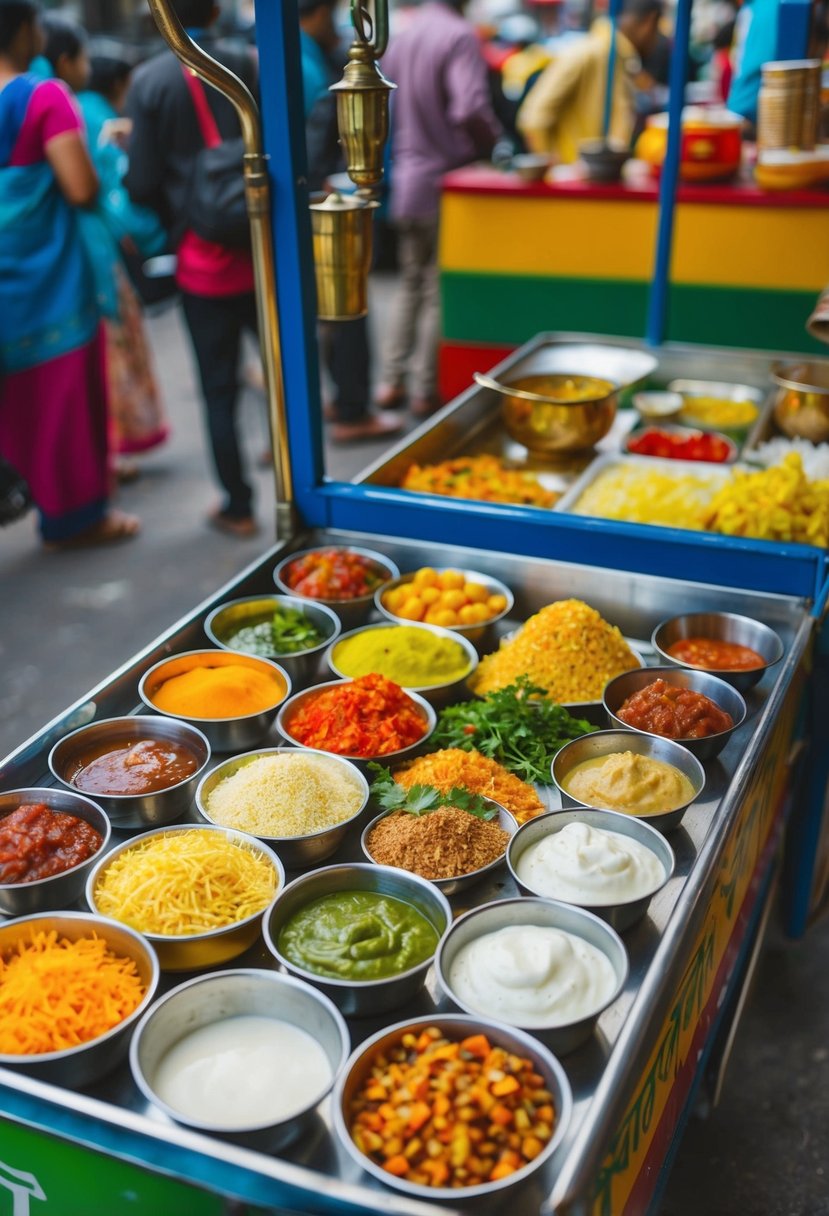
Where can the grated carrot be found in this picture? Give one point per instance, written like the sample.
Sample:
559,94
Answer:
56,993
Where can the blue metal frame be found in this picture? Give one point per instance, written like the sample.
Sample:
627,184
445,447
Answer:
793,22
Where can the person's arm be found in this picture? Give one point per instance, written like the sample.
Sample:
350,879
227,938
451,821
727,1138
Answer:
73,168
143,179
469,103
541,109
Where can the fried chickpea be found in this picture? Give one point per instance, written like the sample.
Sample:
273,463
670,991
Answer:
429,595
425,577
453,599
412,610
446,617
452,580
496,604
475,593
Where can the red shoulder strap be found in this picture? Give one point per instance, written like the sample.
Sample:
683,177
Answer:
207,123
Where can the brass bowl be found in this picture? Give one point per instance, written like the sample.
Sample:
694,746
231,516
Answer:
801,405
570,413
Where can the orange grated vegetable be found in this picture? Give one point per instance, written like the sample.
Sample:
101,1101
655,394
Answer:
56,993
452,767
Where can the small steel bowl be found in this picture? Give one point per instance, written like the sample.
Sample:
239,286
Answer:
657,405
243,992
435,694
625,739
683,432
356,998
390,759
548,914
294,851
223,734
78,1066
801,403
60,890
722,694
351,612
689,389
604,159
619,916
135,810
195,951
478,634
530,166
515,1041
301,665
452,886
726,627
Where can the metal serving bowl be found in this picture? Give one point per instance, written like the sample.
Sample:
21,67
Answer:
295,851
548,914
722,694
690,389
801,404
75,1067
354,997
626,739
351,612
657,405
726,627
435,694
458,1027
224,734
194,951
619,916
478,634
60,890
390,759
530,166
452,886
301,665
536,414
135,810
244,992
604,159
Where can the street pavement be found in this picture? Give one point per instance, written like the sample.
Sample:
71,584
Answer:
70,619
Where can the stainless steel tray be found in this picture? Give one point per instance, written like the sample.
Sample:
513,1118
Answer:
315,1175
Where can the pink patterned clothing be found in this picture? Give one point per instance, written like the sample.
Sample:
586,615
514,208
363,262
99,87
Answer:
52,111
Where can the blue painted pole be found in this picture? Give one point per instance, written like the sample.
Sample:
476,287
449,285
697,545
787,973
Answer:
793,20
277,31
658,299
613,13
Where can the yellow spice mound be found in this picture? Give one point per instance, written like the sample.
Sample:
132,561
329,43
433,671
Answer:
567,648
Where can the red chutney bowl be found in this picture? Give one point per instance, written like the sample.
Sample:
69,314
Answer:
301,701
64,888
717,690
682,443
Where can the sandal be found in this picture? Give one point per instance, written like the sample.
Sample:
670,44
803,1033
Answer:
116,526
242,527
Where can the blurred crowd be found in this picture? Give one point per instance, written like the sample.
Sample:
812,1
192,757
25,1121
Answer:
106,156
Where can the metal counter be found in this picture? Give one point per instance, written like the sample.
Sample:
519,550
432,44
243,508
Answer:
723,851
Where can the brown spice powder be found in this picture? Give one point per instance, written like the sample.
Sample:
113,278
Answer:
445,843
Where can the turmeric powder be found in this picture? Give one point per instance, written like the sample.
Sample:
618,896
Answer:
232,691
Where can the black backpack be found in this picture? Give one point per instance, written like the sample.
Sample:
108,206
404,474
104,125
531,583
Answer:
216,201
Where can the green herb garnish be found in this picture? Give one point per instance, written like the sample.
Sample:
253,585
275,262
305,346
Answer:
286,632
421,799
518,726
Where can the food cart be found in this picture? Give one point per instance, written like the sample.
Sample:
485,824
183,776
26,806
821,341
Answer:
105,1148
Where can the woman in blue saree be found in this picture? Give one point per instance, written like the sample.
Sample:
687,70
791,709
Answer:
53,406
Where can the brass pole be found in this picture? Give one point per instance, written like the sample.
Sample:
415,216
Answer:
257,195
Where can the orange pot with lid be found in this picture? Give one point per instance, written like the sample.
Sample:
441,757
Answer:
711,143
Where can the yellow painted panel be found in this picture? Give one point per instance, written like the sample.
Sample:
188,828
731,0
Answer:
547,236
785,247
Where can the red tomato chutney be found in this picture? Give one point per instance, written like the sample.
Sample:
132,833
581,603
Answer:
333,574
143,767
713,654
370,716
674,712
36,842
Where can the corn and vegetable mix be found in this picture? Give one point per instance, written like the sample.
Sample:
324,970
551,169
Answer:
485,478
566,649
450,1114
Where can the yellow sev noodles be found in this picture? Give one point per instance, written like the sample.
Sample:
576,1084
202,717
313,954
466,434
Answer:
56,993
181,883
566,648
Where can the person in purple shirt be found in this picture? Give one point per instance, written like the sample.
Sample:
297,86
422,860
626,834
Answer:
442,118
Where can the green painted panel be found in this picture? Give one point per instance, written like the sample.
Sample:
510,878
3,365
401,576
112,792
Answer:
513,308
43,1176
742,316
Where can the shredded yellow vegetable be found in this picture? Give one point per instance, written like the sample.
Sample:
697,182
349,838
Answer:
181,883
56,993
650,496
779,503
